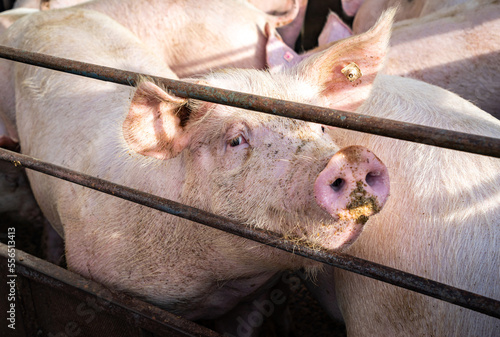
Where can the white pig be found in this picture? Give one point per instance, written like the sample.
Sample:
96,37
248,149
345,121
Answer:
456,48
289,32
370,10
266,171
441,222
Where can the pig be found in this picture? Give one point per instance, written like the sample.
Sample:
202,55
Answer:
289,32
437,224
222,33
370,10
264,171
461,46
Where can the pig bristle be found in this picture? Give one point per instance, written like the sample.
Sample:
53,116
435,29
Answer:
287,86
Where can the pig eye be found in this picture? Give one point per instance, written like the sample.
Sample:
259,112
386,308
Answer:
237,141
322,128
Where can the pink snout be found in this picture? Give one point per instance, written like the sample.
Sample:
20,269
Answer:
353,185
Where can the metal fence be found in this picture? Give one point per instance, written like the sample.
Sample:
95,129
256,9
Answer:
383,127
55,302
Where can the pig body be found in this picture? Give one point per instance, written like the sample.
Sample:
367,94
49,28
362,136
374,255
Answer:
436,225
16,198
370,10
461,46
197,153
221,33
277,7
441,222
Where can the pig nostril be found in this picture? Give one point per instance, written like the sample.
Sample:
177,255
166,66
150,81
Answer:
337,184
372,178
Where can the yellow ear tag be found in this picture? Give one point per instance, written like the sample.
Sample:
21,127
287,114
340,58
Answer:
352,72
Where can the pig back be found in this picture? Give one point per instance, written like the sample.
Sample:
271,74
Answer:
461,46
194,37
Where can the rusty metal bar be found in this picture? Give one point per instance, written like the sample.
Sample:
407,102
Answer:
135,311
396,277
378,126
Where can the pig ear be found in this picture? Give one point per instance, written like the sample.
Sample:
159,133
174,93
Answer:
153,126
278,54
347,69
334,29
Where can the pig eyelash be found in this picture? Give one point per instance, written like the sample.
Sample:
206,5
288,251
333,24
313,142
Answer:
236,141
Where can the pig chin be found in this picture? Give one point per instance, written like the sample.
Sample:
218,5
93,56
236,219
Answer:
338,236
336,232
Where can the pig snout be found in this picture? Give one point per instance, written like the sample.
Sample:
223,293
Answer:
353,185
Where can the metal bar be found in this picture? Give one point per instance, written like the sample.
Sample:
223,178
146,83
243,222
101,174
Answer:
136,312
378,126
399,278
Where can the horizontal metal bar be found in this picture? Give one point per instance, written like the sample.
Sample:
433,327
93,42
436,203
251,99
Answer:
399,278
378,126
135,311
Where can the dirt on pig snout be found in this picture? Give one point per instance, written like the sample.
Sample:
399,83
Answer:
361,206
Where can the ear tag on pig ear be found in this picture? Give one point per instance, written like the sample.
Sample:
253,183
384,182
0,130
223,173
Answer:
352,72
288,56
